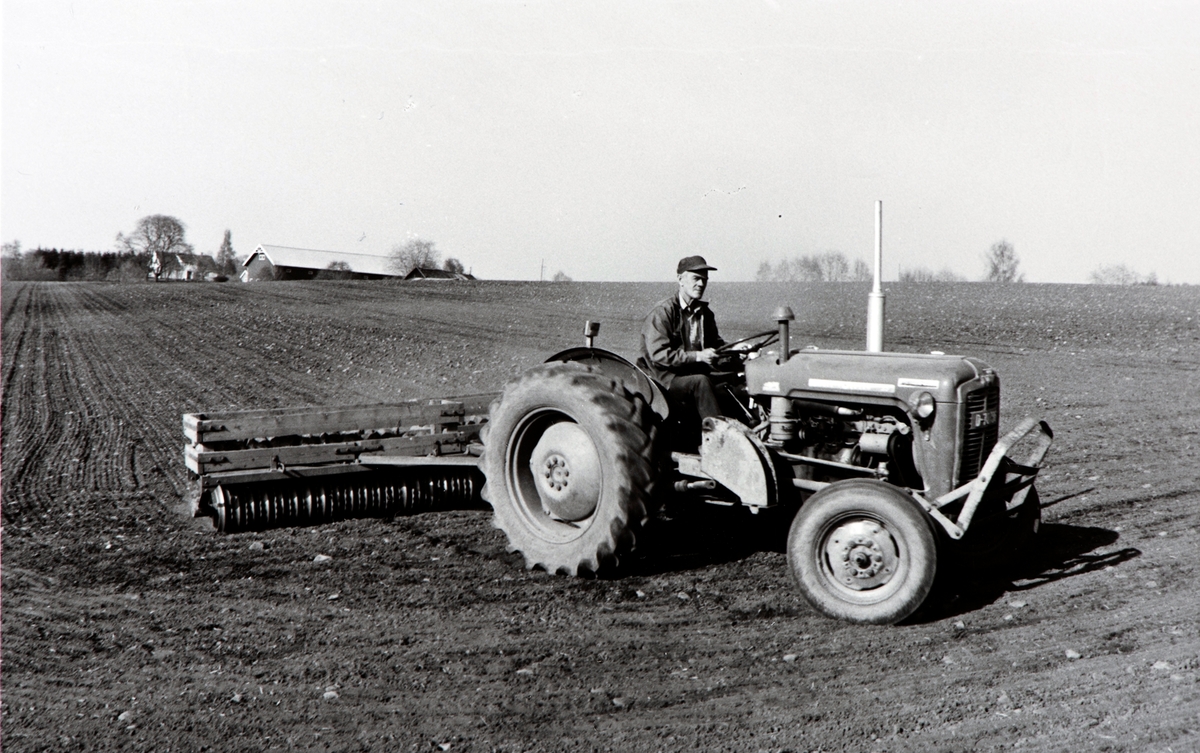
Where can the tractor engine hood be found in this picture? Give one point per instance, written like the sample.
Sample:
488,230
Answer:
879,378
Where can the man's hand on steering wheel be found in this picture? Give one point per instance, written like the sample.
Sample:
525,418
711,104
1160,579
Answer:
748,345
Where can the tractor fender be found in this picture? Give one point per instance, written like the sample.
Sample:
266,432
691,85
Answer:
635,380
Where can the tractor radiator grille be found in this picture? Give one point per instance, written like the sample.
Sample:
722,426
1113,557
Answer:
982,431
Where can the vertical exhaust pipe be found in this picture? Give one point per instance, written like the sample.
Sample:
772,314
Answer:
783,416
783,315
876,299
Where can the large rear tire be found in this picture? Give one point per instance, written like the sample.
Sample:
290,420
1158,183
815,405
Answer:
863,551
568,458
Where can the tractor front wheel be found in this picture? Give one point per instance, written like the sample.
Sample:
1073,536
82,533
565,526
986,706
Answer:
863,551
569,465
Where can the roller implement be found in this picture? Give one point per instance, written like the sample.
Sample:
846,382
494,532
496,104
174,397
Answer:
271,468
890,462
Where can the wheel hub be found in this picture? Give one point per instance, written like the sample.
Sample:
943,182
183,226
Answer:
861,554
557,472
566,472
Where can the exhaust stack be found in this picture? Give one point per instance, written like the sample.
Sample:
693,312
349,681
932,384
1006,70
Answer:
783,315
876,299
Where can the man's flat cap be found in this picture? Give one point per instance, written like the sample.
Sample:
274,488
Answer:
693,264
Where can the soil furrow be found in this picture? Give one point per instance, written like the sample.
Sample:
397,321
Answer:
127,626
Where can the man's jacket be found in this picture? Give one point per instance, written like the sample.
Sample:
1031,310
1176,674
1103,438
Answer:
665,352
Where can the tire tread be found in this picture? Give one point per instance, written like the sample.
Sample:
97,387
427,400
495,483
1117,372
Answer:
628,420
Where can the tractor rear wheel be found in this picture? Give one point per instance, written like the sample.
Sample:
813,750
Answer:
863,551
569,463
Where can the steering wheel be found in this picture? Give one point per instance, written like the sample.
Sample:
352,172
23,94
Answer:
763,340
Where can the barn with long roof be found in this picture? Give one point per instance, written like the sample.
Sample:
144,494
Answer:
287,263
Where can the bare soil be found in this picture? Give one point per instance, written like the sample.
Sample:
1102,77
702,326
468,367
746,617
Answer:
127,625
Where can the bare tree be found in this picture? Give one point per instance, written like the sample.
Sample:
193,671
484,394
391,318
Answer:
862,272
1002,263
10,261
156,234
806,269
453,265
560,276
798,269
834,266
413,253
226,259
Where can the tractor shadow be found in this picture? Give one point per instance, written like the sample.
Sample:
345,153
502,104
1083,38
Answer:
1060,552
695,539
680,540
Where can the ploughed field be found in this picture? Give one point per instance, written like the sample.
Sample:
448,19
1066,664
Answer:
127,625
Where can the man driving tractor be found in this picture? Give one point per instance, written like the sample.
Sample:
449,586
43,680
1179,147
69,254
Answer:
680,341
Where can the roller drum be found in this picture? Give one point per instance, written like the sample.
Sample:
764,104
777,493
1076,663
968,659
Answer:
314,501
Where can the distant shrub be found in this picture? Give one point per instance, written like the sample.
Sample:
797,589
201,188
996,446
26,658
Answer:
1119,274
129,270
337,270
923,274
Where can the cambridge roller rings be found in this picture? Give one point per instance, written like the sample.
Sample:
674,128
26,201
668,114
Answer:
314,501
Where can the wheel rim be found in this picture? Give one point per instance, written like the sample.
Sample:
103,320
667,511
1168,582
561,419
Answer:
554,474
860,559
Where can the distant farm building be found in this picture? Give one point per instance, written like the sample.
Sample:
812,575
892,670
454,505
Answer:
428,273
284,263
187,267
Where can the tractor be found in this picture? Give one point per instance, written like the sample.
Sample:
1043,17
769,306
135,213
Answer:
892,462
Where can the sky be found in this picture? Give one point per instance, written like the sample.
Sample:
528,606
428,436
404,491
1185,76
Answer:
608,139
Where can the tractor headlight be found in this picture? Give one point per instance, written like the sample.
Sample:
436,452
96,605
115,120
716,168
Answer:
923,405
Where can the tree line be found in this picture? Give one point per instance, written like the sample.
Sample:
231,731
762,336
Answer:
156,238
147,251
150,248
63,265
834,266
1001,264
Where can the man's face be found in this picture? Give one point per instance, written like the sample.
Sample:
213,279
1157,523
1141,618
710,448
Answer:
692,285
